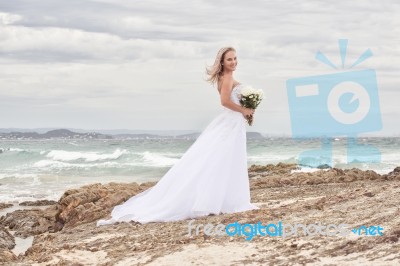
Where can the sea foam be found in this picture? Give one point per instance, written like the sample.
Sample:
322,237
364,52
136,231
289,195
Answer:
66,156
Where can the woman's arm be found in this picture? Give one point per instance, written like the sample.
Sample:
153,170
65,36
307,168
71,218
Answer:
226,88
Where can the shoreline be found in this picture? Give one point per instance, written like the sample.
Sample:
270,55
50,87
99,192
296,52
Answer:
57,185
65,231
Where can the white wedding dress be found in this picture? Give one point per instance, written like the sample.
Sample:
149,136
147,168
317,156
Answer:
210,178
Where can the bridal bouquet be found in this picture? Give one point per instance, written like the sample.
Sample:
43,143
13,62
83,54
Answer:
251,98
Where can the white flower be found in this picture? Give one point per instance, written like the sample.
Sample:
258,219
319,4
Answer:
248,90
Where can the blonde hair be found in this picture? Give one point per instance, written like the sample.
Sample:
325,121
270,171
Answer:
216,69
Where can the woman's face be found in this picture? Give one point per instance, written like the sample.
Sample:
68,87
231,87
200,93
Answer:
230,61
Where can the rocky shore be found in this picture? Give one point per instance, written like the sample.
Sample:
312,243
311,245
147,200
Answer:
65,232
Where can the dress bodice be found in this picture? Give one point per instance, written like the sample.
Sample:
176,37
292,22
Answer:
235,93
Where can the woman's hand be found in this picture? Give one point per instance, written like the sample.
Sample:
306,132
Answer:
247,112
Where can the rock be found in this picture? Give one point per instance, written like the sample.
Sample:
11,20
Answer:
7,256
38,203
271,169
392,236
369,194
281,175
394,175
5,205
30,222
93,202
76,206
7,241
396,170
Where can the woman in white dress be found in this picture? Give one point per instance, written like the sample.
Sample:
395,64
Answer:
211,177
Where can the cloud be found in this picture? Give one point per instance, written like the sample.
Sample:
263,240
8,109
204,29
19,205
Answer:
60,44
7,18
104,53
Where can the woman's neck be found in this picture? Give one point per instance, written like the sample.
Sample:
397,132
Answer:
227,73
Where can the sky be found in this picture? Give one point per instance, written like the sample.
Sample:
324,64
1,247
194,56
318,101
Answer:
140,65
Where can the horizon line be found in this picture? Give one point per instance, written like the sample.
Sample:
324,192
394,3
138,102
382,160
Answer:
267,134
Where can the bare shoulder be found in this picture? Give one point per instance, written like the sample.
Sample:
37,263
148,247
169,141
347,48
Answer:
225,82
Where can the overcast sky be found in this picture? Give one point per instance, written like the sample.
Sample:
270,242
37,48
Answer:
118,64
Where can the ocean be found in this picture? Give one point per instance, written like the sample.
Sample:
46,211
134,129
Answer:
44,169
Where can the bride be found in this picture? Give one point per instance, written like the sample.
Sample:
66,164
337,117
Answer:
211,177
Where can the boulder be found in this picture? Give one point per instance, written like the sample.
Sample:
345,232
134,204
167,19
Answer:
7,241
93,202
30,222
